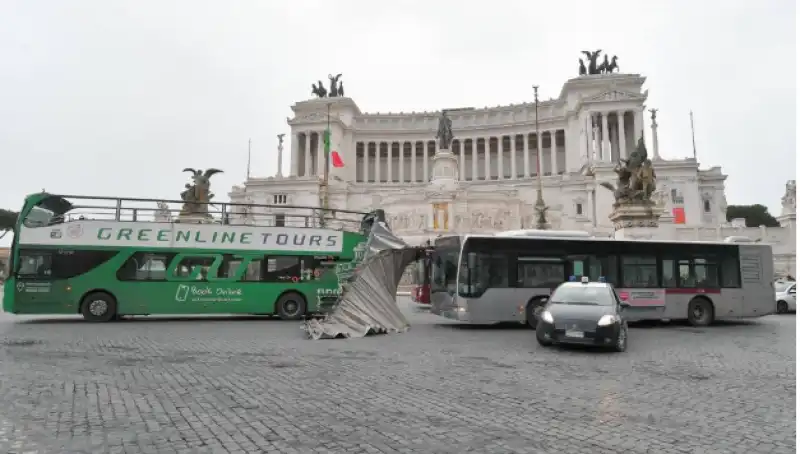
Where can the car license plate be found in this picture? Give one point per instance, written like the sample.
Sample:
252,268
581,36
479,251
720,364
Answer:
574,334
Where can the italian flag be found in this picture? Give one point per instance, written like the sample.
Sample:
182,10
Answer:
336,160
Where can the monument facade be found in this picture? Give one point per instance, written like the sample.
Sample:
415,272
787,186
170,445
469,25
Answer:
485,180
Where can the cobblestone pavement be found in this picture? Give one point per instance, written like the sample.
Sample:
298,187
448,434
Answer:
257,386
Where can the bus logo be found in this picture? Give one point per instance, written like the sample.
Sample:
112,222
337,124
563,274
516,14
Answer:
75,231
20,286
182,293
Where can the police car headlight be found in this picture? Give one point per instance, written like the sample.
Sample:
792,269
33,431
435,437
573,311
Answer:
607,320
547,317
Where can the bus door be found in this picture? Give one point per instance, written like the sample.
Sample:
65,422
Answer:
35,290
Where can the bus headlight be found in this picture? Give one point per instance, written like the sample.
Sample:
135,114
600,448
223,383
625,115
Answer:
547,317
607,320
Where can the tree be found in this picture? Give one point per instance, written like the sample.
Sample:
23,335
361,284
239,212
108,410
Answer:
754,215
8,219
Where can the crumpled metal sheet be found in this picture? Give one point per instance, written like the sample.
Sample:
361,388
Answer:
368,303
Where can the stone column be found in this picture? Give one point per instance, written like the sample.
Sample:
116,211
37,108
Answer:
513,145
595,139
461,175
638,127
365,162
487,154
389,147
553,152
590,130
307,164
451,218
605,147
654,127
295,166
474,159
377,177
320,154
280,159
401,162
500,172
425,165
526,158
539,157
623,145
414,161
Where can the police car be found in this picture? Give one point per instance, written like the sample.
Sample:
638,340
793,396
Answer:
583,312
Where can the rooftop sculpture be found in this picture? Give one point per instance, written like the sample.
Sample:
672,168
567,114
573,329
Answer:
605,67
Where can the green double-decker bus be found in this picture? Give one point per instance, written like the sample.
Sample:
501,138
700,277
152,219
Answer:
106,257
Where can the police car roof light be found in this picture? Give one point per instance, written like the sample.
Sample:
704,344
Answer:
572,278
585,279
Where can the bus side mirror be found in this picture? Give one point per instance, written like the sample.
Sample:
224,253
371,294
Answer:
472,260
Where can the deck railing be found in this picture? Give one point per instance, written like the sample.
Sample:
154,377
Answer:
158,210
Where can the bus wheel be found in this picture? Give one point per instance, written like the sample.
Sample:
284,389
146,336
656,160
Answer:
532,311
99,307
701,312
291,306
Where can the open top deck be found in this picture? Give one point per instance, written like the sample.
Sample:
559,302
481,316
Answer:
46,209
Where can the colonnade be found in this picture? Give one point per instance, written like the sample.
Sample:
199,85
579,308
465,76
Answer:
610,135
505,157
604,136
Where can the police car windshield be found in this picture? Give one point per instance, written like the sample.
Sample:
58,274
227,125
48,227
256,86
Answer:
582,294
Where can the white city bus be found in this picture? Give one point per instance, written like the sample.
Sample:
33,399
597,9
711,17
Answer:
508,277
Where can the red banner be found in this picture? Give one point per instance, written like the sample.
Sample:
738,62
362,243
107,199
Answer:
680,215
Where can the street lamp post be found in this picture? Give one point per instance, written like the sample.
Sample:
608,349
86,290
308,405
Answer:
540,206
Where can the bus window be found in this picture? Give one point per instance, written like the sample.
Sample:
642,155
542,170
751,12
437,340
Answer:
186,267
253,272
541,272
482,272
593,267
145,266
668,273
685,277
282,268
639,271
35,265
443,270
730,271
70,263
698,273
705,272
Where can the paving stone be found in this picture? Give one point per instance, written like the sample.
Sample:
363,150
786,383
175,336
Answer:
257,386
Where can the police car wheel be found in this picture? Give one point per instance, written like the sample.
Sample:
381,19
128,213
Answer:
621,343
543,342
532,311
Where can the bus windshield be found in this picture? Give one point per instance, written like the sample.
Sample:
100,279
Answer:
444,265
421,268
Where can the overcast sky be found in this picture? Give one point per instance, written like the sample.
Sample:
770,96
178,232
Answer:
116,97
